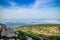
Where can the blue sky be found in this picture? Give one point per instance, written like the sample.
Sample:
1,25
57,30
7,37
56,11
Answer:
30,9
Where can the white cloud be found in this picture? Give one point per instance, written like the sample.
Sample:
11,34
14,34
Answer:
52,21
24,13
12,3
39,3
15,12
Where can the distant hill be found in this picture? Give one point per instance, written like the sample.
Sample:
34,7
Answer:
46,29
39,31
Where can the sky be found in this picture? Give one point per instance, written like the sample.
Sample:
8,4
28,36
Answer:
30,9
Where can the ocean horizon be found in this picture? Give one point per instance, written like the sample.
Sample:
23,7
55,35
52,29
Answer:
19,22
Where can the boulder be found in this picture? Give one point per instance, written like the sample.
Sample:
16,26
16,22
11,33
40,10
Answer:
7,32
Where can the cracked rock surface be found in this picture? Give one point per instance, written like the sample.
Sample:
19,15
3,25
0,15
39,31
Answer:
4,31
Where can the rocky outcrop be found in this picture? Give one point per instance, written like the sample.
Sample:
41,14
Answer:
7,32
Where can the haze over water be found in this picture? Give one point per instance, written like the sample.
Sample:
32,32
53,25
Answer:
19,22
